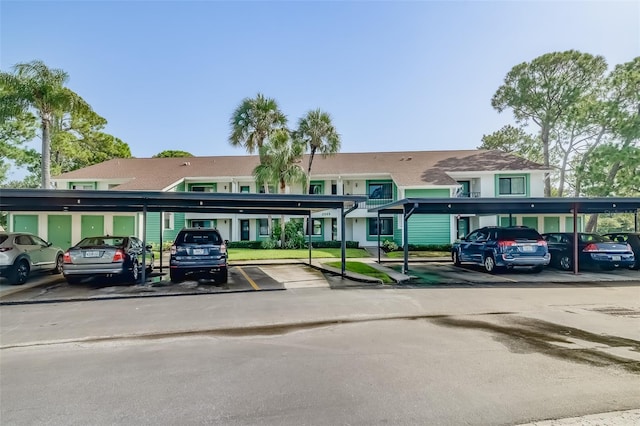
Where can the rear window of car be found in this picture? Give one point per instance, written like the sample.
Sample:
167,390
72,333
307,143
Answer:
102,241
594,238
199,237
519,234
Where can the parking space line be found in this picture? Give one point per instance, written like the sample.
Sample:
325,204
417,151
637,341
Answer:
253,283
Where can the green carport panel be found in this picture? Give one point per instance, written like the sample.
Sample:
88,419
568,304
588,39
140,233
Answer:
91,226
124,225
59,227
531,222
551,224
504,221
568,224
25,223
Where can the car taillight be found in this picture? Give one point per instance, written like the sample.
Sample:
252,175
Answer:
629,247
3,249
542,243
591,247
173,250
118,256
506,243
223,248
66,258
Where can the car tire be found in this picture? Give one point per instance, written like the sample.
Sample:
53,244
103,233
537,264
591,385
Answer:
19,273
565,263
58,268
150,266
176,276
490,264
455,256
134,275
537,269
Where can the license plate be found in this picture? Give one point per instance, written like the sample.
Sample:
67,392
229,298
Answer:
616,258
198,251
91,254
528,249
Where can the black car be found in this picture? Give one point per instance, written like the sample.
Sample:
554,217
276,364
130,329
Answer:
108,257
496,247
594,250
631,238
198,252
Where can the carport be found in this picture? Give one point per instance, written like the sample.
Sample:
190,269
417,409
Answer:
69,201
487,206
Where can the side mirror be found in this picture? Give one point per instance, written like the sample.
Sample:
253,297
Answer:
226,242
49,244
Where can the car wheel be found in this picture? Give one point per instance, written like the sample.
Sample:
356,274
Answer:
455,256
564,262
537,269
58,268
19,273
134,275
490,264
176,276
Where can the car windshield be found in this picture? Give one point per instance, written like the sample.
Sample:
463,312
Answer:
518,234
102,241
199,237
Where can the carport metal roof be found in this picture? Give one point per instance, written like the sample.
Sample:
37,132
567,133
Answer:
44,200
409,206
509,205
52,200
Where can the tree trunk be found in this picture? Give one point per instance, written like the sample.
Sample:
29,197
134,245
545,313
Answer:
545,152
584,160
592,223
46,152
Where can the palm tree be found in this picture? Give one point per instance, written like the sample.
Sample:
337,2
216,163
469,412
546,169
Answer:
280,164
319,135
34,86
254,120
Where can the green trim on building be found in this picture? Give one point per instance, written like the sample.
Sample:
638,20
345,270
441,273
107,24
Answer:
531,222
319,183
568,224
431,228
25,223
93,183
551,224
212,185
527,184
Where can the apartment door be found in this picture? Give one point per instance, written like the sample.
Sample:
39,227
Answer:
244,230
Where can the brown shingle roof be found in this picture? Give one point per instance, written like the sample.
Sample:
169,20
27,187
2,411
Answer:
407,168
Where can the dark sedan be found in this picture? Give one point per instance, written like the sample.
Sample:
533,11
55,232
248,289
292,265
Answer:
108,257
631,238
593,250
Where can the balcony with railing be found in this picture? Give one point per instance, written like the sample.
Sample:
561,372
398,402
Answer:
468,194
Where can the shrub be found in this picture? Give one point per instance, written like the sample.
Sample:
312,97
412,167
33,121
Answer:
429,247
245,244
389,245
268,244
334,244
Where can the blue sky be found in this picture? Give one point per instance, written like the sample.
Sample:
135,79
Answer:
394,75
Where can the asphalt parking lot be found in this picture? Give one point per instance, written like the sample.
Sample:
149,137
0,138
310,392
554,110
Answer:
283,276
445,273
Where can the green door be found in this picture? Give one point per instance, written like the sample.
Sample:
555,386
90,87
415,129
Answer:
124,225
25,223
91,226
568,224
551,224
59,227
531,222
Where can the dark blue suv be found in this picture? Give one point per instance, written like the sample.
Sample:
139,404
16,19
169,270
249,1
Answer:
498,247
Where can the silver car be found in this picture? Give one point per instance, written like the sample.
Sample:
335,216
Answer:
22,253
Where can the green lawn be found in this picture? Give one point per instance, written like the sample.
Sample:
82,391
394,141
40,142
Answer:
400,254
251,254
364,269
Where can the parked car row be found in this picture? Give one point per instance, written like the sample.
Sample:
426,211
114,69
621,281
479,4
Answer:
22,254
497,248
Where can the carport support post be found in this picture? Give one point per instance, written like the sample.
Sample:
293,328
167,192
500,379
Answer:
144,243
378,228
510,219
405,235
310,230
161,229
635,221
343,243
575,238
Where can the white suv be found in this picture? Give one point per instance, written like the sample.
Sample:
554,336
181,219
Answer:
22,253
